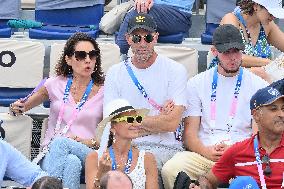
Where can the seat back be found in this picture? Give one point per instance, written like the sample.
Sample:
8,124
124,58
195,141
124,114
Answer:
18,131
21,68
72,16
184,55
61,19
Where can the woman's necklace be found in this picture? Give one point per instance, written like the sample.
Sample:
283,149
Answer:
127,163
77,91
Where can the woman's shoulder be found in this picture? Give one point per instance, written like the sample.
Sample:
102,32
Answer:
56,79
230,18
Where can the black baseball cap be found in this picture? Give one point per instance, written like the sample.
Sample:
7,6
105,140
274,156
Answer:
143,21
227,37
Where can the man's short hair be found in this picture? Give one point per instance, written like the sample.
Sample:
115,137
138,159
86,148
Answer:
117,174
47,182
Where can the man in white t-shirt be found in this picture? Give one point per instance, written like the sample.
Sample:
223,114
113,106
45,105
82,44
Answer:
219,112
148,80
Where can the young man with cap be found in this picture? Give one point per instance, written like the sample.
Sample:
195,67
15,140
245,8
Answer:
255,21
171,16
148,80
218,111
262,155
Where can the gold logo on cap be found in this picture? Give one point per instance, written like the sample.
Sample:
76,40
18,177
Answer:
140,19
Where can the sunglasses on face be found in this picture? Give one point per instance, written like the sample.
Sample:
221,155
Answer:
129,119
267,171
82,55
137,38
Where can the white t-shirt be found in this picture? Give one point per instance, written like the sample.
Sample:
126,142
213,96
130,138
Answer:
164,79
199,89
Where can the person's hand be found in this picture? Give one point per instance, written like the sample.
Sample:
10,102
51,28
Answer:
168,107
87,142
260,71
104,165
212,153
143,6
143,132
193,185
222,147
17,108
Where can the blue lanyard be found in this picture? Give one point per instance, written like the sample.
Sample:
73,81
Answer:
78,108
128,163
259,163
178,132
234,101
85,95
140,87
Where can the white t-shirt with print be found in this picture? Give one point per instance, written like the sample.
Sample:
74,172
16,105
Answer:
164,79
199,89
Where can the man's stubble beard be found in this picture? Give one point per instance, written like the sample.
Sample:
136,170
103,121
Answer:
230,71
143,58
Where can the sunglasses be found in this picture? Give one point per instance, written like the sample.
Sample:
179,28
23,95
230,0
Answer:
137,38
82,55
129,119
267,171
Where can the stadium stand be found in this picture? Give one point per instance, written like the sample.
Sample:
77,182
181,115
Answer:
11,10
215,11
18,132
63,18
18,60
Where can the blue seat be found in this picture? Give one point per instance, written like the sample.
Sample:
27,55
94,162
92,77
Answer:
206,37
59,32
10,95
5,30
62,23
174,38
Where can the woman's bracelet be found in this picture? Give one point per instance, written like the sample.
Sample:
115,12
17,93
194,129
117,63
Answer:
97,182
11,110
94,144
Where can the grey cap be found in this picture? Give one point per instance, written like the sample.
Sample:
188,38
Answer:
227,37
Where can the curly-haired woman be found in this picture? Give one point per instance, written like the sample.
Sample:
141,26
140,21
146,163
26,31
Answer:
76,96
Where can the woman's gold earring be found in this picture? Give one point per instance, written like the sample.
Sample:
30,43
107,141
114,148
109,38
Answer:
113,138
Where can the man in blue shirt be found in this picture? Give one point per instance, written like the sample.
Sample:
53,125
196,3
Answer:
17,167
171,17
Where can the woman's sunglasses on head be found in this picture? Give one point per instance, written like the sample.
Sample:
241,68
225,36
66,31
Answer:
82,55
137,38
129,119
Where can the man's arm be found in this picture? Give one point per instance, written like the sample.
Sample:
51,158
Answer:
193,142
20,169
164,123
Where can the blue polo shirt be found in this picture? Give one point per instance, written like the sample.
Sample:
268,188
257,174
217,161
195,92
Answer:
17,167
